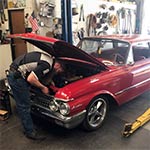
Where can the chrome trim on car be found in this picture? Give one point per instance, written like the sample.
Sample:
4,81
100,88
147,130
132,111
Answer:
63,100
133,86
65,121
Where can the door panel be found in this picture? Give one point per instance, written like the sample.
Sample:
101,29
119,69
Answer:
17,25
141,75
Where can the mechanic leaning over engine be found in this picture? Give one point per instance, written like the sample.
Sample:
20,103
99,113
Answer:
27,70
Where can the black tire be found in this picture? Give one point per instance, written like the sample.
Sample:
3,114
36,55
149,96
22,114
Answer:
96,114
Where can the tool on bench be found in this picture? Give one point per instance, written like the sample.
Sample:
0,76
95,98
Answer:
129,128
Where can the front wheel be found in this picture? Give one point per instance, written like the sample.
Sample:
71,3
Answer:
96,114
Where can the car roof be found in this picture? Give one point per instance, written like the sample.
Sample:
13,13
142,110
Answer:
130,38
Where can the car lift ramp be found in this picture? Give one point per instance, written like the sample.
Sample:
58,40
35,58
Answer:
129,128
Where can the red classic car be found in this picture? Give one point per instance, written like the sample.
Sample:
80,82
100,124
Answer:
99,72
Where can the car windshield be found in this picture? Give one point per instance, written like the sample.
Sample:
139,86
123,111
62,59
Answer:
111,52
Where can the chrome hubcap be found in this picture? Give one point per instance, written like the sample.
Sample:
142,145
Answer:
97,112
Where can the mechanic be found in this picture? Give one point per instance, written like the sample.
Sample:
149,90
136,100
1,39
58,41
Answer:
24,71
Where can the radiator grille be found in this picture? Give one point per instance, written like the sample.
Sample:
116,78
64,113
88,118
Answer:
40,101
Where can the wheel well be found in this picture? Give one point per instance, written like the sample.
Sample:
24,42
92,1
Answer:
111,100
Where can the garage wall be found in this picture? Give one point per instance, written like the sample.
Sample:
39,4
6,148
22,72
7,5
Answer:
5,50
5,59
123,24
145,29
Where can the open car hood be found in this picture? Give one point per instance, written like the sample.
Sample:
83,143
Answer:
58,48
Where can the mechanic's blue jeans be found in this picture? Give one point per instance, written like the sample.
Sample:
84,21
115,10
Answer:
20,89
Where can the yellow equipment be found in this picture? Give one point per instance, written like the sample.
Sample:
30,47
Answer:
129,128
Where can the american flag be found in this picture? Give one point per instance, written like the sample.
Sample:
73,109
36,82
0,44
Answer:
34,22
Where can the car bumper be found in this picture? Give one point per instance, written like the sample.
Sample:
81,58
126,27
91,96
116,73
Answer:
67,122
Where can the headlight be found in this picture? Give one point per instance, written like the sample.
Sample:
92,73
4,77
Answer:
64,108
53,106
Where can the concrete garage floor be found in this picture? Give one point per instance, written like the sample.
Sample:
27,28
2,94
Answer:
108,137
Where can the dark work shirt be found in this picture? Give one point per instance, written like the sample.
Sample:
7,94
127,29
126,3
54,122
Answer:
38,63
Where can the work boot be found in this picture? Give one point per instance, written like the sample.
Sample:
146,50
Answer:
35,136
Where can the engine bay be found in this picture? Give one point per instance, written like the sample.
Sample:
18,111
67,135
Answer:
73,71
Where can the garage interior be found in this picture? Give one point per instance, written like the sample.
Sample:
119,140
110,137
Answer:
68,20
109,136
